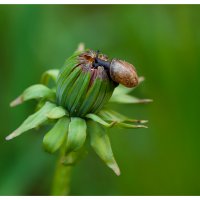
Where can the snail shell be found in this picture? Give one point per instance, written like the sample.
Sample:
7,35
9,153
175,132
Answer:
124,73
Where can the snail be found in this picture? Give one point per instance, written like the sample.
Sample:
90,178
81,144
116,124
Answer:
119,71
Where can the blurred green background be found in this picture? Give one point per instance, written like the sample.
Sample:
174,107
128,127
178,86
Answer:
162,41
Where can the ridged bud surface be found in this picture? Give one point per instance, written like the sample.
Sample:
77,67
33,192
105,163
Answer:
81,88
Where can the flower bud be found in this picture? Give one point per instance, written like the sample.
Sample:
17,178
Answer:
81,87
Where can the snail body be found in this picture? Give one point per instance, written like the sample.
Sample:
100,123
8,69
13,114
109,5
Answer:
120,71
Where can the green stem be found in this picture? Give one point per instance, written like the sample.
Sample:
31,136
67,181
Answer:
61,182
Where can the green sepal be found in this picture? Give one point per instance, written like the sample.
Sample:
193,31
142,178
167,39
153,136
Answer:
57,113
120,95
40,104
120,89
131,126
49,74
37,91
125,98
33,121
119,119
77,134
100,142
56,136
111,115
99,120
73,158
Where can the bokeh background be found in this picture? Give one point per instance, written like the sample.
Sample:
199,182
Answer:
163,43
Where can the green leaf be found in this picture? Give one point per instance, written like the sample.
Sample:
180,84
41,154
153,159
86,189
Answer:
76,135
49,74
33,121
34,92
99,120
121,90
100,142
132,126
57,113
73,158
111,115
125,98
56,136
120,95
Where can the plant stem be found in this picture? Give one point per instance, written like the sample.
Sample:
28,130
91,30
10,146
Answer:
61,182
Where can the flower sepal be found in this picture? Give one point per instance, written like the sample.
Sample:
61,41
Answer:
121,94
100,142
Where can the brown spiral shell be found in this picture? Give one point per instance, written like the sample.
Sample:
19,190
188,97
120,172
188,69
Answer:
124,73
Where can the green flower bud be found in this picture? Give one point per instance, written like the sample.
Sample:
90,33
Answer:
81,87
74,105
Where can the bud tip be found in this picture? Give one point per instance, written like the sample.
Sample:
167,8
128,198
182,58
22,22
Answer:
81,46
8,137
115,168
12,135
16,102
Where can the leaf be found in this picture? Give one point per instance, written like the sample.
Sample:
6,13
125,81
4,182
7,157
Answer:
49,74
33,121
120,95
57,113
73,158
121,90
100,142
57,135
99,120
125,98
111,115
76,135
125,125
114,116
34,92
